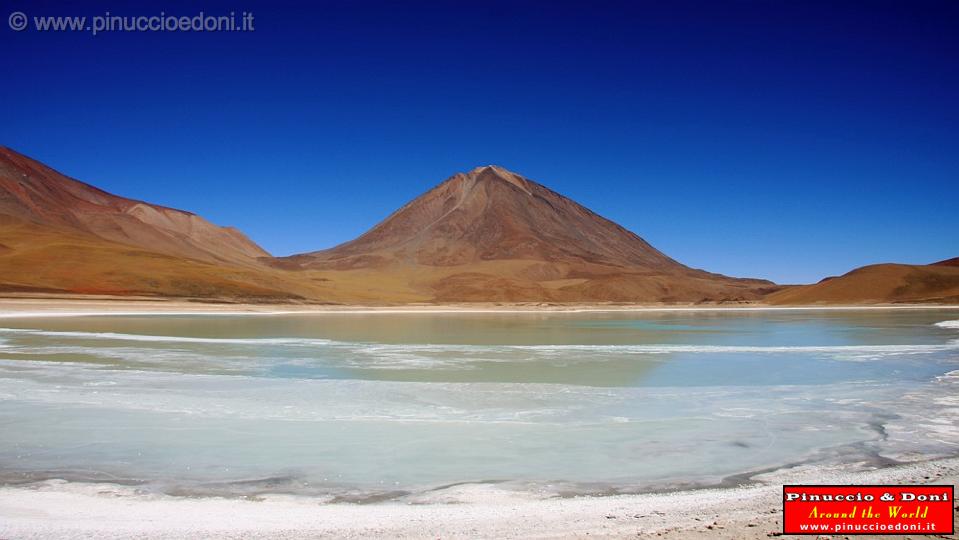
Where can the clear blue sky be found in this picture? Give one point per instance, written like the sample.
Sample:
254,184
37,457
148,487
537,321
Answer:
785,140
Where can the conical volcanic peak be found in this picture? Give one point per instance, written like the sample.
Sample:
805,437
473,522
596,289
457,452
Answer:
491,213
495,173
494,235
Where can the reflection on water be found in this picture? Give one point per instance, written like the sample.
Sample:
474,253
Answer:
364,403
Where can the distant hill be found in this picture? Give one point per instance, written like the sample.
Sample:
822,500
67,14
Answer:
880,283
60,235
493,235
33,193
948,262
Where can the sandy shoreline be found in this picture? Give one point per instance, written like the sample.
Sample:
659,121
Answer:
80,306
62,510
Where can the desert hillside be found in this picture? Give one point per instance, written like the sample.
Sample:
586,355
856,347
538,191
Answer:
31,192
880,283
59,235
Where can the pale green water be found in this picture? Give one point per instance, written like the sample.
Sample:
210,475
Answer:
357,405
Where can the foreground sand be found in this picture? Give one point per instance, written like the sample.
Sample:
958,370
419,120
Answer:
60,510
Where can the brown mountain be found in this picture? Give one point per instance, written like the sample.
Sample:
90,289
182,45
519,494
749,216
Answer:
880,283
60,235
493,235
33,193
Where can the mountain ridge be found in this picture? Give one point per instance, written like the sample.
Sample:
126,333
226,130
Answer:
36,193
485,235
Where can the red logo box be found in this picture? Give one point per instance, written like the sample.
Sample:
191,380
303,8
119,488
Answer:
868,509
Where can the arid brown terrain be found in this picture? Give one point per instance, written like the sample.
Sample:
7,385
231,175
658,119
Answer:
488,235
31,192
881,283
60,235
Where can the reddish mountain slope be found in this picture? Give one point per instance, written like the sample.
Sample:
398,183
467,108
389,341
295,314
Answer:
34,193
948,262
492,214
493,235
59,235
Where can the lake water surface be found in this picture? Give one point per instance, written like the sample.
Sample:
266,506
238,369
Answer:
372,406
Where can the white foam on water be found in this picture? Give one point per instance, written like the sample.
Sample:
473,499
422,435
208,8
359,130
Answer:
949,377
948,324
405,349
669,348
167,339
26,314
221,396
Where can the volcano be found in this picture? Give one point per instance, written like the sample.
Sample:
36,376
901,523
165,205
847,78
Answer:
493,235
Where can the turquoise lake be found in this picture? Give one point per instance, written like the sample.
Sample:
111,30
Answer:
373,406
